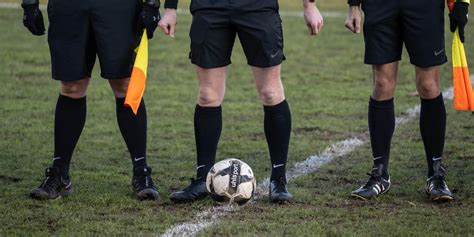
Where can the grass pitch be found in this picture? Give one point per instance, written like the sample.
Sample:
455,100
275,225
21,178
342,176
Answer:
327,87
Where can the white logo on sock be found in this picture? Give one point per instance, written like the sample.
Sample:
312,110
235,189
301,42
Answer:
201,166
376,158
138,159
56,158
276,166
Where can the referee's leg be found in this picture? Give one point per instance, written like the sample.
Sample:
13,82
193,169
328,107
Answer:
133,127
277,127
432,114
70,118
208,116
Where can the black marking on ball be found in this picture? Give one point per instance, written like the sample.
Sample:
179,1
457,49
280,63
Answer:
234,179
245,179
224,172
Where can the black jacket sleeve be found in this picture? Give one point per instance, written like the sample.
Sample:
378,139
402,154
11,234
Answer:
171,4
28,2
354,2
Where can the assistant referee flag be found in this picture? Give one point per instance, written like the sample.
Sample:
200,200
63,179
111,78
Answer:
136,87
463,94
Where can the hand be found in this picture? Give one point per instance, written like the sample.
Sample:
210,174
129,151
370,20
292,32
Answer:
354,19
33,19
313,18
168,22
149,18
458,18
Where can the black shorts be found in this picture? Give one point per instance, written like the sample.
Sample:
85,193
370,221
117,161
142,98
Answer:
213,33
80,30
417,23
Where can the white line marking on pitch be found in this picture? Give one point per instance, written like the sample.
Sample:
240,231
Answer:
182,11
211,216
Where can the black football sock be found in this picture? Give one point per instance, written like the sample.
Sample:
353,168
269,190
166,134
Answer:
69,120
207,131
381,127
433,128
277,125
134,130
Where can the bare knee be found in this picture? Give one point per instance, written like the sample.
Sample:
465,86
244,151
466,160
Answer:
271,96
427,82
211,86
384,88
269,85
384,81
209,97
428,88
119,87
74,89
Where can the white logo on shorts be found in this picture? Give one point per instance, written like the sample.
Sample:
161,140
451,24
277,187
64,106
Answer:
275,54
437,53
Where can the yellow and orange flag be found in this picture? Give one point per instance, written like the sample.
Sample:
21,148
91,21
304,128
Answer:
463,94
136,86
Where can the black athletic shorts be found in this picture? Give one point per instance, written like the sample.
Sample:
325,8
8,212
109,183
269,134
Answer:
79,30
216,23
417,23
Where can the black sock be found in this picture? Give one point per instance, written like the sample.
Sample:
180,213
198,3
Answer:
69,120
277,125
207,131
433,128
381,127
133,128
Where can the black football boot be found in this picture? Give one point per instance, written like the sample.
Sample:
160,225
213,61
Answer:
278,191
436,186
143,186
53,186
375,186
195,191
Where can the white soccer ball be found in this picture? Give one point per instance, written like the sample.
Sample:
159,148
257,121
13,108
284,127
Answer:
231,180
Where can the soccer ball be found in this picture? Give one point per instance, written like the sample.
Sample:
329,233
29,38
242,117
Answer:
231,180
